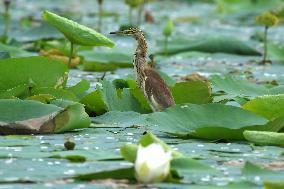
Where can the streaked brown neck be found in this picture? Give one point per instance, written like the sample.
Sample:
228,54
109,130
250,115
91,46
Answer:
140,60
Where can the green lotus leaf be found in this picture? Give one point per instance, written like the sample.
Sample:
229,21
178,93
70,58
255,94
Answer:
76,33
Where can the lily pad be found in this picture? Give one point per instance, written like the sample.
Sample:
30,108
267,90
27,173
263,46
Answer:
121,119
209,121
252,169
269,106
122,173
32,71
238,87
196,92
190,166
57,93
14,51
20,91
209,44
275,53
80,88
108,98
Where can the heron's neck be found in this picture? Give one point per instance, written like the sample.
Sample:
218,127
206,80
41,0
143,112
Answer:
140,60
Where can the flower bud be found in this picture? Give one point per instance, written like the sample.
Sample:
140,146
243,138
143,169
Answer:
100,2
133,3
168,28
7,4
152,163
267,19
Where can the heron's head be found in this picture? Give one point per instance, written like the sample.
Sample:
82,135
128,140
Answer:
131,31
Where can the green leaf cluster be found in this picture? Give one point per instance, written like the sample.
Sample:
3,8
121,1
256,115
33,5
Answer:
39,82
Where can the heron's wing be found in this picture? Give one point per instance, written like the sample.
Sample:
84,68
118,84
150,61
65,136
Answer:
157,90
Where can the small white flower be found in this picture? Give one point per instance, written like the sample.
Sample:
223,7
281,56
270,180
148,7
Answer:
152,163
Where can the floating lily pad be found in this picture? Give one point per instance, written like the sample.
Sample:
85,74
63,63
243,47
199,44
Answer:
238,87
275,53
210,121
121,119
222,44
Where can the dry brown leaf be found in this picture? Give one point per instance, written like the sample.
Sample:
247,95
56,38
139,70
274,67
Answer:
41,125
194,77
57,55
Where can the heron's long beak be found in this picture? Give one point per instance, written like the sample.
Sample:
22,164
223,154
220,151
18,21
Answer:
123,32
118,32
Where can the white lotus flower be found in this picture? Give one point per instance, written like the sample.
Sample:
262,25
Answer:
152,163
